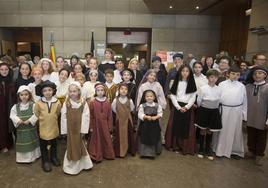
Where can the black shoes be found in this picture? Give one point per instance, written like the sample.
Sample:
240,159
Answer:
55,162
46,167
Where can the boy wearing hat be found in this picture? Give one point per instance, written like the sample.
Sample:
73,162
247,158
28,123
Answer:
47,110
257,121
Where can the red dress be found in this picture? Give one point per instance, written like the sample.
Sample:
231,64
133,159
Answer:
101,122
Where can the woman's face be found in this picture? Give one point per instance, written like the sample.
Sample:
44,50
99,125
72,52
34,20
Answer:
25,70
73,61
63,76
134,65
4,70
223,65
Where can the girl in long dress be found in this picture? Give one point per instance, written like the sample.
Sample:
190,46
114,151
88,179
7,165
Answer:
75,124
23,118
7,99
101,126
149,131
180,133
123,107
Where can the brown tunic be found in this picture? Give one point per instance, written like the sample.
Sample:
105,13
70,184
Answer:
124,138
111,92
75,146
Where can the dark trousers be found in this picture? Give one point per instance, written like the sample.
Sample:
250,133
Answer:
46,154
256,141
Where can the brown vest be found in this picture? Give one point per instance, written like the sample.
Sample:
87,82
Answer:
75,146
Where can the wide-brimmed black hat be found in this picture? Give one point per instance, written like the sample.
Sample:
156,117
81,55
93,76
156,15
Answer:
42,85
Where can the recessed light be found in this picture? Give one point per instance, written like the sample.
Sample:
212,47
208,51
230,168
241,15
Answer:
197,7
170,6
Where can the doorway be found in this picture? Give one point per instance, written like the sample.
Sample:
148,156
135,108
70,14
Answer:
130,43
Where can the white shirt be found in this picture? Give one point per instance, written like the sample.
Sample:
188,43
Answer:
200,81
181,96
209,97
117,77
88,90
109,85
46,77
32,88
122,100
109,62
62,88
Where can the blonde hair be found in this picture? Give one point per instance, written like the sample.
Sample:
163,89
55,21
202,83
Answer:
67,100
80,75
51,66
133,60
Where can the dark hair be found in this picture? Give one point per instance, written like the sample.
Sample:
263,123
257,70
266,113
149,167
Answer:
234,68
242,61
144,93
109,71
82,66
58,57
205,67
74,57
191,86
29,66
226,58
122,85
254,57
65,69
198,62
212,72
89,53
9,76
118,59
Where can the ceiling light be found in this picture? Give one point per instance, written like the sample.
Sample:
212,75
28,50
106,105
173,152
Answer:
170,6
197,7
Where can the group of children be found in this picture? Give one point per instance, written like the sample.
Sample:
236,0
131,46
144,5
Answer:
104,120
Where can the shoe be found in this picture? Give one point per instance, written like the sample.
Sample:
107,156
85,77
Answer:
236,157
211,158
200,156
55,162
259,161
5,150
47,167
249,155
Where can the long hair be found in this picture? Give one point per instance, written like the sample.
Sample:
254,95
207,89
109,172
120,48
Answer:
29,66
191,86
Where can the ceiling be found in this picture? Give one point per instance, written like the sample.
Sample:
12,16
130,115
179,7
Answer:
210,7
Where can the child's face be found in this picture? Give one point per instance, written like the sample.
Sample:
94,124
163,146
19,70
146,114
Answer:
93,77
243,66
45,65
126,76
74,92
100,92
73,62
234,76
151,77
37,76
223,65
259,76
134,65
60,63
185,73
123,91
4,70
198,69
109,78
24,96
149,97
156,64
47,92
80,80
78,69
119,65
93,64
212,79
24,70
108,55
63,76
